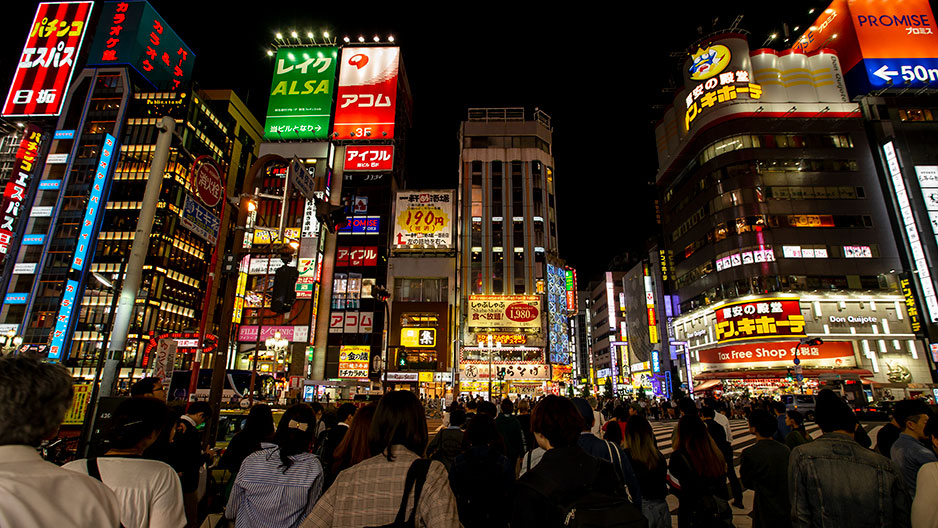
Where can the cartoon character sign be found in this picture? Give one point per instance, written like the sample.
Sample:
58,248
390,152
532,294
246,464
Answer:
708,62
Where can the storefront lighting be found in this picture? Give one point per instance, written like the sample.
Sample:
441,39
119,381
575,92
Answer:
882,346
886,327
912,350
853,330
899,309
842,305
817,309
896,345
827,329
872,305
866,349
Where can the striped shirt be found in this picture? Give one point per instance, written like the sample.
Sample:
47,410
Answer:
263,495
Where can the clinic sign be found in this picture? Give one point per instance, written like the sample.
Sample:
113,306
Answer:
759,319
300,103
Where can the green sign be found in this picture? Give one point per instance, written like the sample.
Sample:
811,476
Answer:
301,94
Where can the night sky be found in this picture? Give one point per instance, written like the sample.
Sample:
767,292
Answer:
597,71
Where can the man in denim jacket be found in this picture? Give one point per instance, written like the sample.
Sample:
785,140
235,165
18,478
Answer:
908,452
834,482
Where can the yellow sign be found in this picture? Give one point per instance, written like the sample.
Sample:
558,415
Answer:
708,62
418,337
263,237
76,413
353,361
425,377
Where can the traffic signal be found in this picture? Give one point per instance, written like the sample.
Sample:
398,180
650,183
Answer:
284,292
788,376
230,265
381,293
334,217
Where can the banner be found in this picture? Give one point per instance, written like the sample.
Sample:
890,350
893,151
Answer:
300,101
423,220
759,319
367,93
780,354
504,311
164,363
290,333
75,415
508,371
353,361
200,220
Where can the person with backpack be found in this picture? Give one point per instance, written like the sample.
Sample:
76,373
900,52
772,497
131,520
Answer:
510,429
697,474
448,443
482,478
568,487
605,450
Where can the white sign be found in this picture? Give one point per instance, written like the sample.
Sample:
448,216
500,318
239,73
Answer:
259,266
41,211
24,268
423,220
164,362
55,159
351,322
310,222
511,371
303,179
403,376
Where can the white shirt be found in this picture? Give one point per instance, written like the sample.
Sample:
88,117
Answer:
721,419
34,492
597,428
924,513
149,491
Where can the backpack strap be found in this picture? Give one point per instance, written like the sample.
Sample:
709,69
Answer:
92,466
422,467
616,461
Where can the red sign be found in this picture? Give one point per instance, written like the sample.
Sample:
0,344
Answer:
778,354
206,178
368,158
15,190
759,319
521,312
356,256
45,66
366,93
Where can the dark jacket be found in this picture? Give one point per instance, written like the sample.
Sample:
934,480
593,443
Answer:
241,445
764,468
603,449
187,446
334,437
694,489
718,433
446,446
510,428
652,482
529,441
887,436
482,480
567,472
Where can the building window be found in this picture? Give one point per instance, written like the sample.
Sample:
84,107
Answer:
420,290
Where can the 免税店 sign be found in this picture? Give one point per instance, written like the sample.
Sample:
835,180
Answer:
779,354
759,319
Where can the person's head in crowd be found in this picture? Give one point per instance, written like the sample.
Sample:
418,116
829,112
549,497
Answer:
613,433
472,407
621,413
778,407
687,406
707,413
524,407
507,406
399,420
641,442
763,424
318,409
457,417
912,415
259,424
346,413
136,424
556,422
199,411
295,432
148,388
693,439
354,446
487,407
481,432
831,413
34,396
794,419
931,433
586,412
594,403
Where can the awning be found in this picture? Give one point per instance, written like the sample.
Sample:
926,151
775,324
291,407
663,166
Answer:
781,373
707,385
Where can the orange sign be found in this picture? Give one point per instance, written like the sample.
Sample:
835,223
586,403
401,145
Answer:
505,339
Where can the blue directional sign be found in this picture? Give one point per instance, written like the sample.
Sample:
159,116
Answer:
877,74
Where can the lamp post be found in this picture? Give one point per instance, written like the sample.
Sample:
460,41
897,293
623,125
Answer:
11,342
490,366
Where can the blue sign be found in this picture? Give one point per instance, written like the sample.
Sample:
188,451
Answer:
33,240
16,298
46,185
61,323
64,134
362,225
95,204
876,74
667,382
200,220
655,361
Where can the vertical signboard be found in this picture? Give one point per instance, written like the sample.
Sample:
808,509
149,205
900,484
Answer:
15,190
44,69
570,276
423,220
86,237
132,33
300,101
367,93
558,337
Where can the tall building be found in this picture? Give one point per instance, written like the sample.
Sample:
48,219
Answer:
607,338
511,279
773,211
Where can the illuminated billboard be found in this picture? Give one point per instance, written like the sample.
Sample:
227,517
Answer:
44,69
570,280
759,319
15,191
504,311
369,158
353,361
423,220
367,93
132,33
880,44
558,337
300,102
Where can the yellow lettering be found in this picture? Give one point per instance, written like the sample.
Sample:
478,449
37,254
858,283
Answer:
280,89
293,89
323,86
308,85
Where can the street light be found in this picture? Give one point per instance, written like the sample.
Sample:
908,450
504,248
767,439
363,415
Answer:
11,342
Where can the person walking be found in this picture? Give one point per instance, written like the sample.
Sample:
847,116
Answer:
834,482
371,492
924,513
651,469
780,416
34,396
279,484
482,478
764,468
354,446
510,429
718,433
908,452
149,491
448,442
697,474
798,434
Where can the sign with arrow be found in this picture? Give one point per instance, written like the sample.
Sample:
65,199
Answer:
901,73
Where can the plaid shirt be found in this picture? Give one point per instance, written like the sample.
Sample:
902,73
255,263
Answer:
369,494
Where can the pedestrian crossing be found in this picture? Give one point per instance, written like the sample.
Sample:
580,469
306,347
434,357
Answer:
742,438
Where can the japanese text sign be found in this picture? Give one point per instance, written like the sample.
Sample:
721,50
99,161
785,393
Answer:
200,220
300,102
362,225
418,337
369,158
95,203
296,334
423,220
15,191
911,307
506,371
367,93
504,311
570,277
75,415
353,361
44,69
132,33
759,319
778,354
57,340
356,256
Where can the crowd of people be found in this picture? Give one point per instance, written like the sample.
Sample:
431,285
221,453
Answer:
553,461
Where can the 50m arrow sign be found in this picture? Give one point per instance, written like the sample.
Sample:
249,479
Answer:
901,73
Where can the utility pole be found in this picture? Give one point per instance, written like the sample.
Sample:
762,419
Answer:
138,255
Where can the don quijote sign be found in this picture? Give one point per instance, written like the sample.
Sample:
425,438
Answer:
207,181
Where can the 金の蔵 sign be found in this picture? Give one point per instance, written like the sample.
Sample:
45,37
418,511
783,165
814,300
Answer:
353,361
759,319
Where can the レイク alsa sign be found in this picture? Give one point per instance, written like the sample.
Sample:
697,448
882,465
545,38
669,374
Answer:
206,178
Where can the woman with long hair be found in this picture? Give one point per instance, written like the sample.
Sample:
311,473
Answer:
697,473
354,446
651,468
279,484
258,427
378,490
